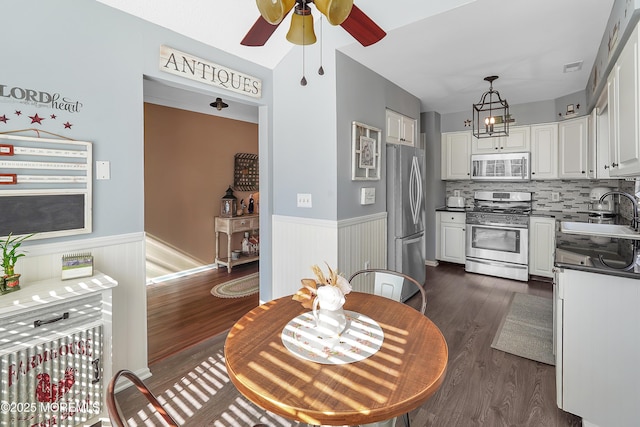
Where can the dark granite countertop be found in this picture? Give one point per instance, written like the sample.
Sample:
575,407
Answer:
588,260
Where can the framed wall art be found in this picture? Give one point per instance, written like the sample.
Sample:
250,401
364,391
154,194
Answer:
245,175
365,152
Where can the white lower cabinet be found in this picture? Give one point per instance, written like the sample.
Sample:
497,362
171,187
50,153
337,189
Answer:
598,347
542,243
450,236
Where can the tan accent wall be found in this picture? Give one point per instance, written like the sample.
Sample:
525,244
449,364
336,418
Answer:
189,160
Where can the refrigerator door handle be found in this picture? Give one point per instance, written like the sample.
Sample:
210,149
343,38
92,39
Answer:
415,190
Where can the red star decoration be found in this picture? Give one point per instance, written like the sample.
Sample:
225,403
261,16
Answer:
18,112
3,118
36,119
67,125
53,116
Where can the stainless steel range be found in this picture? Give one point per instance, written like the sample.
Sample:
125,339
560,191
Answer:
497,236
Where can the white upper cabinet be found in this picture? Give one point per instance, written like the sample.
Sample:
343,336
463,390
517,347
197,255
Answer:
400,129
544,151
623,97
573,148
456,155
519,139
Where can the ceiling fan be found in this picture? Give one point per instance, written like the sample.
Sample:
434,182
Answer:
337,12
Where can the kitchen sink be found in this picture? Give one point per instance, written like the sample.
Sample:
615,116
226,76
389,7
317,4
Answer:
571,257
603,230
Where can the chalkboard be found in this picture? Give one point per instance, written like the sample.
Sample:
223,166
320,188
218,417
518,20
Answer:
41,213
45,186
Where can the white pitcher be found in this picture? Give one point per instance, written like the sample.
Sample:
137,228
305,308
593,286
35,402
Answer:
328,313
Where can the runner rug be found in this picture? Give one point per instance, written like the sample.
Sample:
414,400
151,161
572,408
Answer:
527,328
236,288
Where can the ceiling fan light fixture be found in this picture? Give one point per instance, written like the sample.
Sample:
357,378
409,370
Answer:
301,29
274,11
336,11
218,104
491,114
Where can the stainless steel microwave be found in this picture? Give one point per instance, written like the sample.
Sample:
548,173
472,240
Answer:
501,167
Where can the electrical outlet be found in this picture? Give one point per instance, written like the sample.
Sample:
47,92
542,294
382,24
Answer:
456,193
304,200
555,196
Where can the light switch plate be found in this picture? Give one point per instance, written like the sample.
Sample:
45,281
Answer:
367,196
555,196
304,200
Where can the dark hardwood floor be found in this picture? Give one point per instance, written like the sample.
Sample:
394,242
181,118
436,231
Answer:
182,312
483,386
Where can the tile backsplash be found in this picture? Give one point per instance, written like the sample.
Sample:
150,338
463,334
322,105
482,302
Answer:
573,194
572,205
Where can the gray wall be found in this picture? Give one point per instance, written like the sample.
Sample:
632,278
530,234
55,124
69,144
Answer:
435,188
71,48
362,96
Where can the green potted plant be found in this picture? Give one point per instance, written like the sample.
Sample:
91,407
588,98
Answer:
10,255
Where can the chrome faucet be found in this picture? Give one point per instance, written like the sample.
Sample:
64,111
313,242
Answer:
635,220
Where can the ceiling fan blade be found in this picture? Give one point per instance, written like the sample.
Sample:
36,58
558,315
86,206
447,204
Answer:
259,33
362,28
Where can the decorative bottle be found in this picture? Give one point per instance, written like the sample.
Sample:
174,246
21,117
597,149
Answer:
245,243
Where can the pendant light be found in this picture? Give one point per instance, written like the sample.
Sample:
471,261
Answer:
491,114
218,104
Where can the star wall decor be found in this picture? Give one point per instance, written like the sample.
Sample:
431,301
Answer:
36,119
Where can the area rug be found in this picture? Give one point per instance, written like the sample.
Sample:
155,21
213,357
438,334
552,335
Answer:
527,328
236,288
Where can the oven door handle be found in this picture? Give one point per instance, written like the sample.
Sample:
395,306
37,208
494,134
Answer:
499,264
499,226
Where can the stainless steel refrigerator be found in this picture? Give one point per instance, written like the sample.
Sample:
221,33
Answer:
405,210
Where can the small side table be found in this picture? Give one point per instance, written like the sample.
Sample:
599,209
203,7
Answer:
231,226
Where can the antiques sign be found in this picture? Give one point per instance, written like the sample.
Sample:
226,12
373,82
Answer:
182,64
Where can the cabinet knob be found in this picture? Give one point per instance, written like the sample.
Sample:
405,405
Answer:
613,165
533,173
606,166
496,148
583,172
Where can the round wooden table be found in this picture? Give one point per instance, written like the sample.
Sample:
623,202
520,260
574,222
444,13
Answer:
407,370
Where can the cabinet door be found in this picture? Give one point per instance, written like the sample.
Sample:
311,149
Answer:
542,246
592,133
485,145
452,243
613,123
456,151
394,127
572,148
602,131
544,151
408,135
626,74
519,139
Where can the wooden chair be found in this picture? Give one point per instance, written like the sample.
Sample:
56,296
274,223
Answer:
117,419
388,283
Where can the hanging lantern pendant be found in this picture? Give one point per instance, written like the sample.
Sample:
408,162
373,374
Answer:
491,117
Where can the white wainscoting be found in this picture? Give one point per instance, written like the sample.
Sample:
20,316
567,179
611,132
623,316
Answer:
299,243
122,258
362,241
